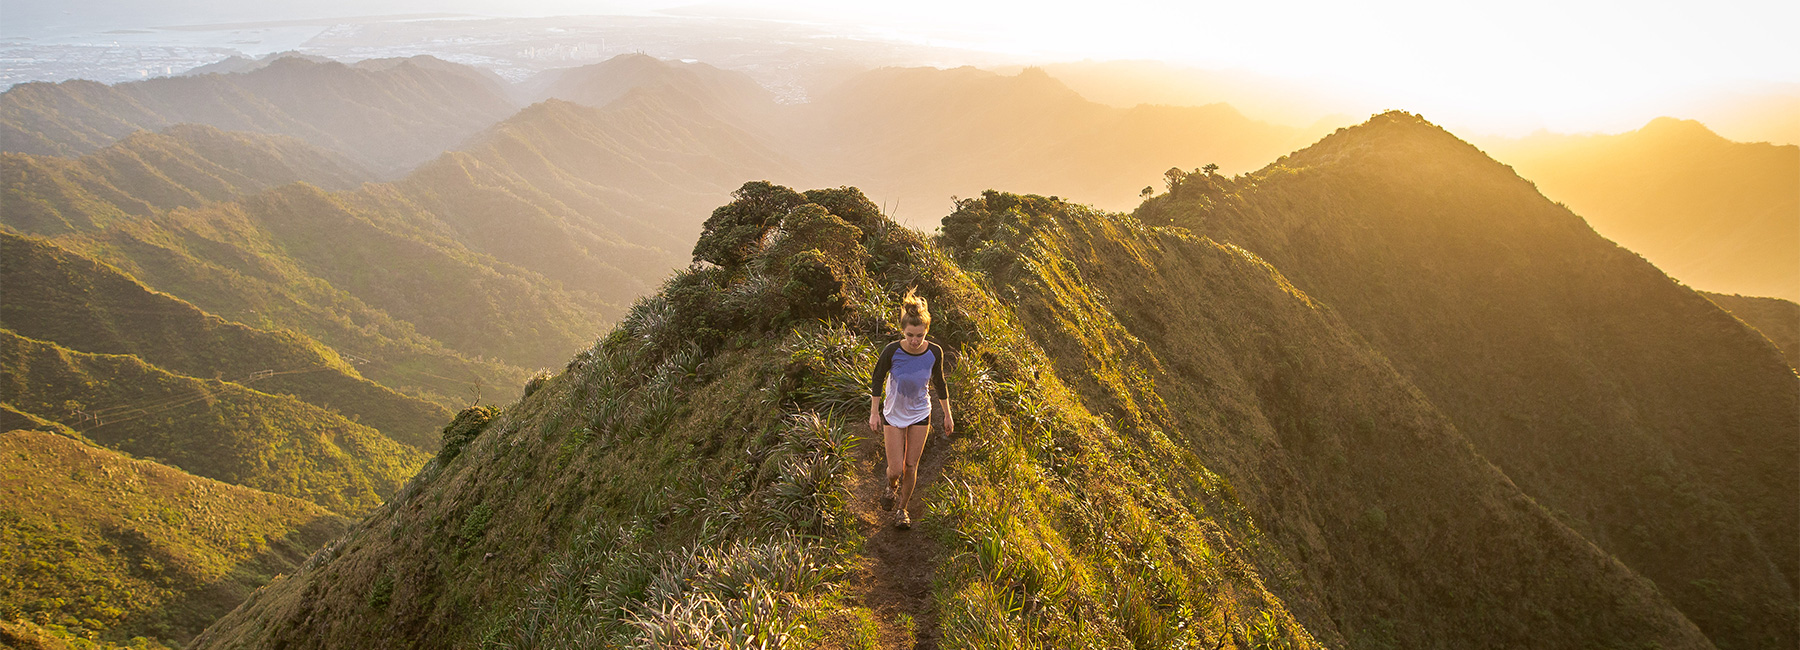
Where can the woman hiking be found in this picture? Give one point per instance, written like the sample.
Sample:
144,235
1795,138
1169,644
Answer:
911,373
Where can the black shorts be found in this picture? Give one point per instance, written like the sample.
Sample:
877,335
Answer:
890,423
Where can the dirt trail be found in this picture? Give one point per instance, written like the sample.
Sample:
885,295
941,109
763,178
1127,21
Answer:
894,576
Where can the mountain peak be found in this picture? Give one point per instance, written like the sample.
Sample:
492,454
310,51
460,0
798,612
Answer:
1388,134
1673,127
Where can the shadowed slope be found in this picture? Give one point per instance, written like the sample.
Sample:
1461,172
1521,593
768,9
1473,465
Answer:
1647,418
607,200
1714,214
1777,319
217,429
58,296
152,551
185,165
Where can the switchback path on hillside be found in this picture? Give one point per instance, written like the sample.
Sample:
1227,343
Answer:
893,576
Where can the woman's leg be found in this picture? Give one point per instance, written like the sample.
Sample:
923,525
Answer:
915,447
895,439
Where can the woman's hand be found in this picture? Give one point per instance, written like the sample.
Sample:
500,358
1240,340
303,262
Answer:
949,424
874,423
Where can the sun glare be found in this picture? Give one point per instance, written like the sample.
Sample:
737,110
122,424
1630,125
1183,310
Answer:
1493,67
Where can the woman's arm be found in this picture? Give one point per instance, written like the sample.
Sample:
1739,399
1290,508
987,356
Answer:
939,388
878,384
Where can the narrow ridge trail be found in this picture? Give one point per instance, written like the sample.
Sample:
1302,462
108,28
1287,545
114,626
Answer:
894,575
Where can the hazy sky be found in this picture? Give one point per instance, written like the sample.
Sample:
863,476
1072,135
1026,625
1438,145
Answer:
1560,63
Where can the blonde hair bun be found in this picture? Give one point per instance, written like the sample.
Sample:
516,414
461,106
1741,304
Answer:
914,310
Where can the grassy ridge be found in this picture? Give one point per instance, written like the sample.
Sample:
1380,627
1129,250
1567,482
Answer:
185,165
1370,512
1638,412
224,263
216,429
101,544
1777,319
686,481
115,205
58,296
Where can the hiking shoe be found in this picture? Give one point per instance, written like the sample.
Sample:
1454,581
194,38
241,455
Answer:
901,521
887,500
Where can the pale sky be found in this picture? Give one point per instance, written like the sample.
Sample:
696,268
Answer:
1567,65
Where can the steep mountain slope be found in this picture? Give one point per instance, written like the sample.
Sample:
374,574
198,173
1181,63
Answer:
217,429
1247,472
185,165
1777,319
919,135
224,263
100,543
554,219
1645,417
367,272
604,200
1715,214
603,83
388,116
61,297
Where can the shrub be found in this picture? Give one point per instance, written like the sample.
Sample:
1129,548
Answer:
735,230
464,428
537,381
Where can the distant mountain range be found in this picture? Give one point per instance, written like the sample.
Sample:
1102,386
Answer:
1715,214
387,115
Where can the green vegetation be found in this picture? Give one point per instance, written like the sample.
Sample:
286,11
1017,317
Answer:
1653,423
104,549
112,206
75,302
185,165
1161,442
216,429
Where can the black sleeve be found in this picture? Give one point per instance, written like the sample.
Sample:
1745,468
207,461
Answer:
878,378
937,373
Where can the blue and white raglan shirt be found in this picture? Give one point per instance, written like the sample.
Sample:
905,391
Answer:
905,376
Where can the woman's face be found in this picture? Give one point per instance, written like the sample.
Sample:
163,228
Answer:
915,335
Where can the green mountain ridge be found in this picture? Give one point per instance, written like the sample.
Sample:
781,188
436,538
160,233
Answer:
1160,441
221,430
185,165
1646,417
58,296
101,544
